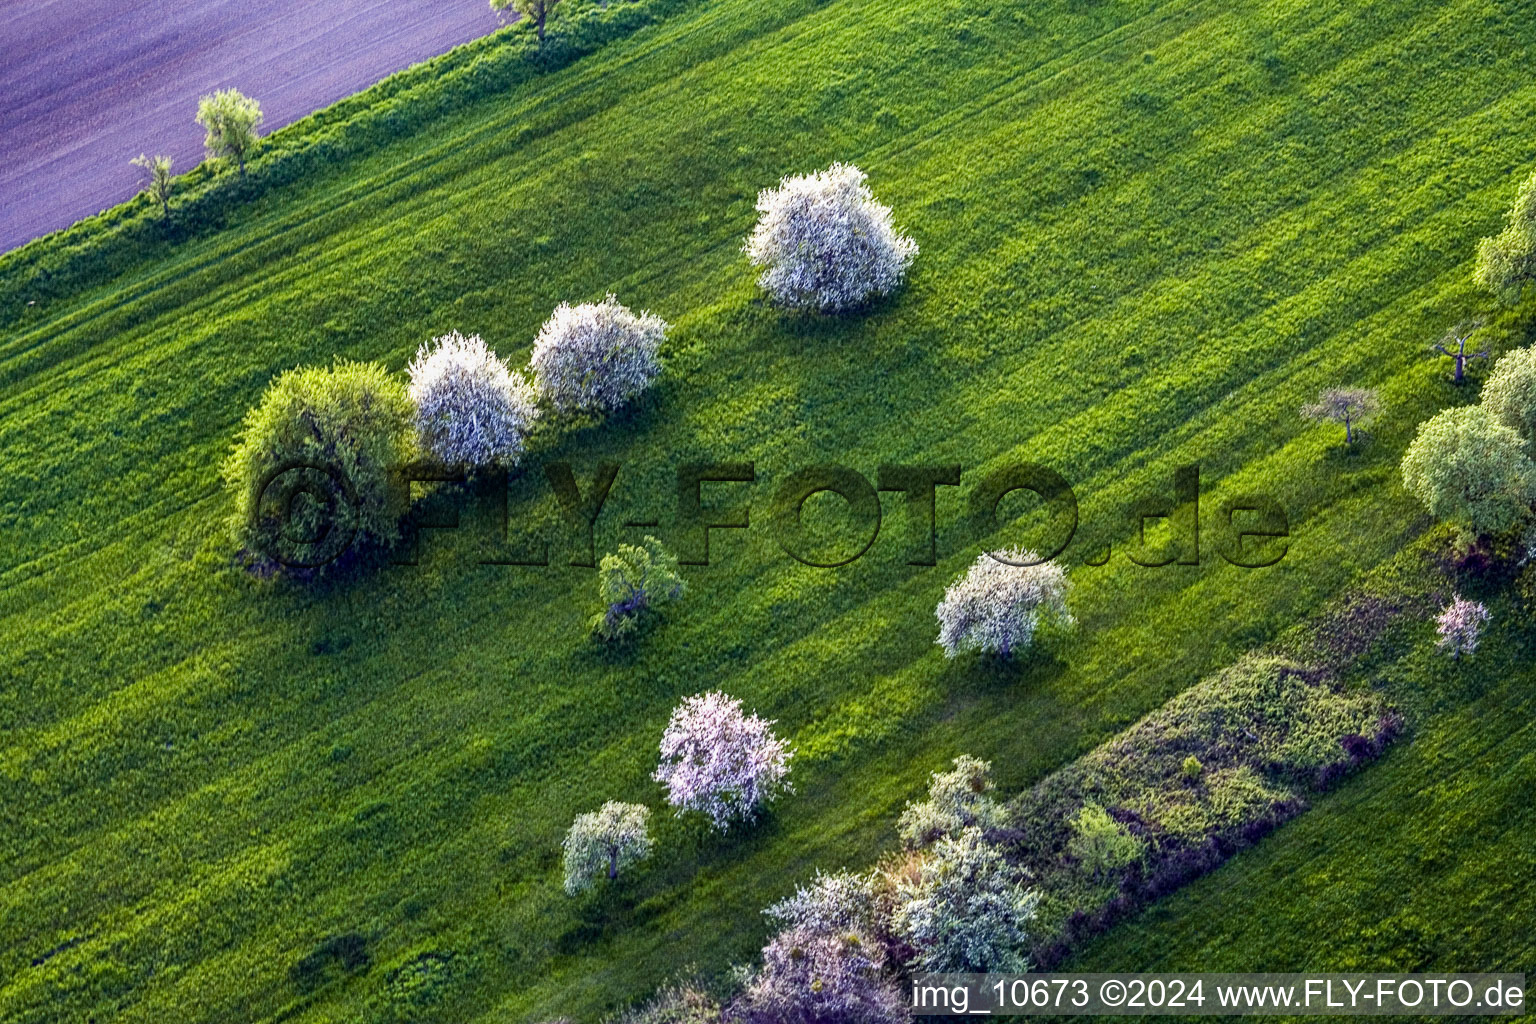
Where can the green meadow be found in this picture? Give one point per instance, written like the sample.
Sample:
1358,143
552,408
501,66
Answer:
1150,232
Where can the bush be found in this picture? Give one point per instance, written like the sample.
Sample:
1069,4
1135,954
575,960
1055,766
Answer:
315,461
636,580
967,911
607,840
417,989
840,902
956,800
596,357
1101,844
1191,768
1460,625
1507,261
825,244
1510,393
721,761
1000,602
815,977
1471,470
471,410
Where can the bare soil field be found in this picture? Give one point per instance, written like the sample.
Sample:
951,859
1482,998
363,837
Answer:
84,88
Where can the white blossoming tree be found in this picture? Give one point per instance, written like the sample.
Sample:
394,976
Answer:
597,356
1000,602
832,903
1460,625
719,760
825,244
471,410
607,840
967,909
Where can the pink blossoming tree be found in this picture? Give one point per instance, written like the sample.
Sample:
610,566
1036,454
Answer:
719,760
1461,625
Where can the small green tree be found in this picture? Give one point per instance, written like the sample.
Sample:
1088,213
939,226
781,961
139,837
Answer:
231,120
1471,470
957,800
607,840
314,467
1506,263
1510,393
1101,844
636,580
158,171
537,10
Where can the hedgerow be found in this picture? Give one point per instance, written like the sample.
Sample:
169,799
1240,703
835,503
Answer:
1266,733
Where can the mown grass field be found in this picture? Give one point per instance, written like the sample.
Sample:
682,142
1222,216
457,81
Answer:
1149,233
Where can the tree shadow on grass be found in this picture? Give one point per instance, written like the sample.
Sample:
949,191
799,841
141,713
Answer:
975,675
571,435
685,846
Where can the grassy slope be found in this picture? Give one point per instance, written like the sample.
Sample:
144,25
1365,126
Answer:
1149,233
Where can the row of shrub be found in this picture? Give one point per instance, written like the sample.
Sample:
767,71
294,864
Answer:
980,885
318,464
1474,466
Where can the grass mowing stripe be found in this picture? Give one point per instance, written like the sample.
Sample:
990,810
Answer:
476,725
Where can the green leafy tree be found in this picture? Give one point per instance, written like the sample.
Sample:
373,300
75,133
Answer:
957,800
1506,263
605,841
538,11
1510,393
637,580
231,120
1101,844
1468,468
158,171
314,465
